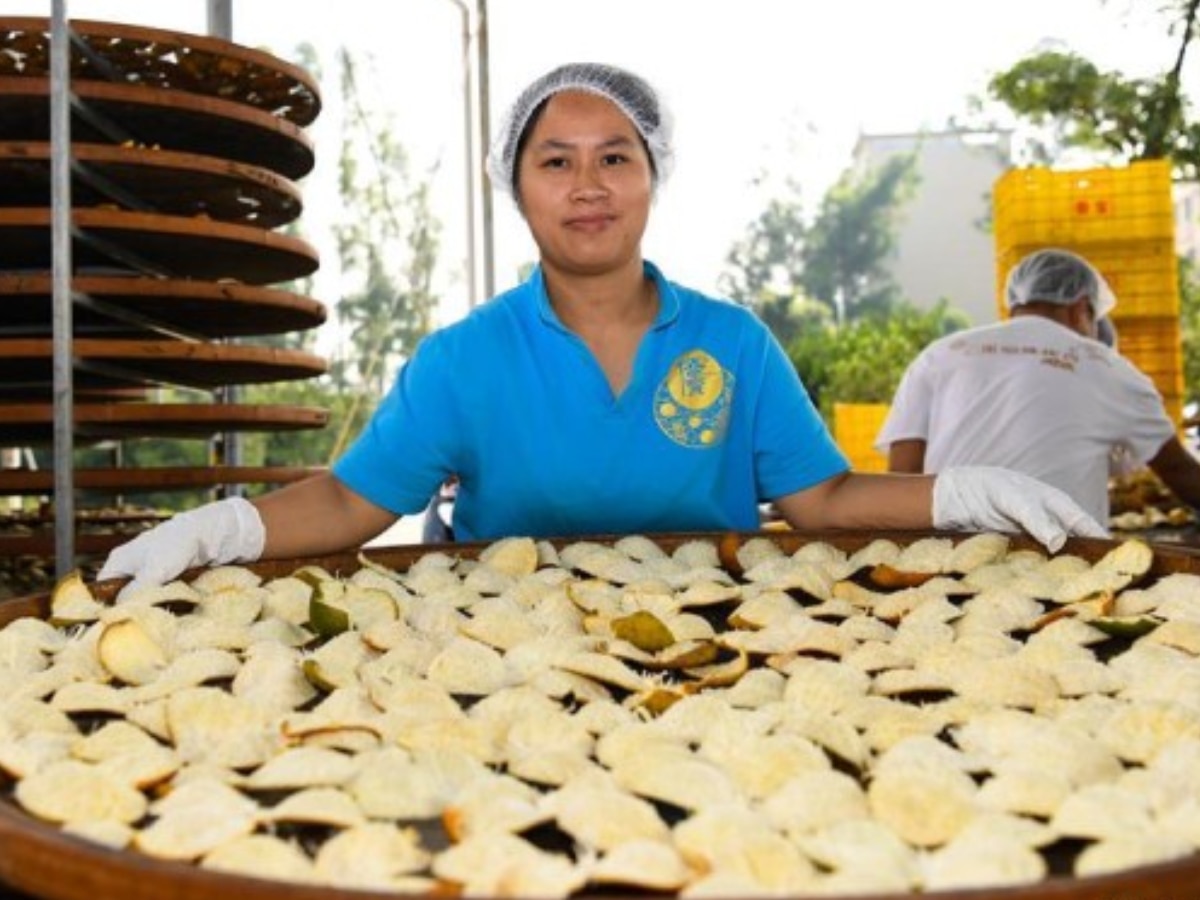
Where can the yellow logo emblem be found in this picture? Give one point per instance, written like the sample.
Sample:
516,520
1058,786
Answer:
692,404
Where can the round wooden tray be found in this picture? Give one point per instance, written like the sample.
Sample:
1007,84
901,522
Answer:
39,859
152,117
161,181
27,364
140,307
33,423
143,243
173,60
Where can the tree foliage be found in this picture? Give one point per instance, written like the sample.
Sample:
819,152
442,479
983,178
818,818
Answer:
1189,327
863,360
766,266
825,288
388,241
1085,106
848,249
784,265
347,415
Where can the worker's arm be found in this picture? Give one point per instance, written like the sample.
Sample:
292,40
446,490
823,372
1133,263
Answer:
967,498
862,500
907,456
318,515
1179,471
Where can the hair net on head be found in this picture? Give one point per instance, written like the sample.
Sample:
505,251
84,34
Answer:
1058,276
631,93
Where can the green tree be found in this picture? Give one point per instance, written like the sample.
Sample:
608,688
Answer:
387,240
763,269
1189,326
1081,105
766,265
787,270
347,414
863,360
846,254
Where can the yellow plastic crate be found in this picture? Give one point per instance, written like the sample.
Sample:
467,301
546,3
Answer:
1174,407
855,426
1039,206
1155,346
1143,274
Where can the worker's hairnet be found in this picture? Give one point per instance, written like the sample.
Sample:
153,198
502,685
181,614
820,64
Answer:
631,93
1058,276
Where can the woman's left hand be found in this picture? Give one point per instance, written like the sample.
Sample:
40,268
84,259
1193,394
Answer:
987,498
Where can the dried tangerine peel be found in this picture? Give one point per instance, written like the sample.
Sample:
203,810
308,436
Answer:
779,702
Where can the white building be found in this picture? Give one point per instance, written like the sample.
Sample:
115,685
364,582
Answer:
1187,219
944,243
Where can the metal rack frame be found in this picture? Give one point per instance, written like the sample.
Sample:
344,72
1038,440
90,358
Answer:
220,22
64,385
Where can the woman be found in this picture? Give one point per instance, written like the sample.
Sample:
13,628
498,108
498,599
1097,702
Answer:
597,397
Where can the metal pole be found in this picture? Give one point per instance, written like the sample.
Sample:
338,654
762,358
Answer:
228,451
485,131
61,266
220,19
469,152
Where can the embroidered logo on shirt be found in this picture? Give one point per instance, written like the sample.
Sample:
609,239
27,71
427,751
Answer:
692,404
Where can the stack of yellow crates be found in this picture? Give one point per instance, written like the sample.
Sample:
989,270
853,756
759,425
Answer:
1123,222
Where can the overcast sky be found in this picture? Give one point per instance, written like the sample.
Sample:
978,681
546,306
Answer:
785,85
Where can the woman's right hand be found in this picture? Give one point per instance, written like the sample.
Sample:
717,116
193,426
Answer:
227,531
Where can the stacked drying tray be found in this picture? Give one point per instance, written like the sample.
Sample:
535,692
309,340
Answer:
185,154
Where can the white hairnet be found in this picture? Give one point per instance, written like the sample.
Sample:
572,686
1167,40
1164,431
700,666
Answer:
631,93
1058,276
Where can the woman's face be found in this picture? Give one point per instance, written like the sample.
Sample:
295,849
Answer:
585,184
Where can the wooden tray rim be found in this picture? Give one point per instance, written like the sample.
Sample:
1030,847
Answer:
180,164
185,40
82,871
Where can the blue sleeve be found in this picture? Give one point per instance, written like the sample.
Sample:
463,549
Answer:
794,448
403,454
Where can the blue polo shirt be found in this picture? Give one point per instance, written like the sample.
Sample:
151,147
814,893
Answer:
713,422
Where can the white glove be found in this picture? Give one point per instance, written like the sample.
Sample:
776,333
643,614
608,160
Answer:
986,498
226,531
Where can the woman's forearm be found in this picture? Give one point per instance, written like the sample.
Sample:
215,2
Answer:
318,515
862,500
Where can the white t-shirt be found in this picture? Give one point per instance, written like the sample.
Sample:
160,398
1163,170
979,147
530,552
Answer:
1031,395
